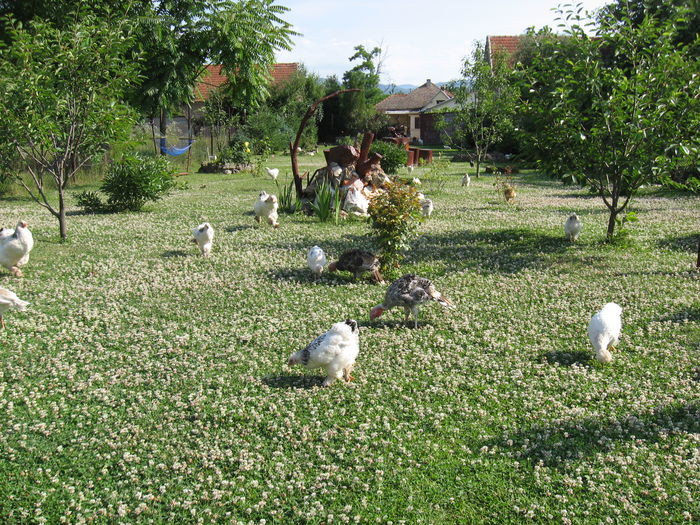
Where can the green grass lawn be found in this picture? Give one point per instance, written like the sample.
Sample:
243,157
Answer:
148,384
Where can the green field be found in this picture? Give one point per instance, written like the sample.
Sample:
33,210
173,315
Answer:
148,384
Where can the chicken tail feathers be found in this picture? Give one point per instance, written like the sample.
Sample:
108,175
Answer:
444,301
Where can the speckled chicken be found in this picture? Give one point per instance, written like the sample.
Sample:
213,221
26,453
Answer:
358,262
409,291
335,352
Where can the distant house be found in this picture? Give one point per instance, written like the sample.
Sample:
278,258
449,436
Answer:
407,109
506,46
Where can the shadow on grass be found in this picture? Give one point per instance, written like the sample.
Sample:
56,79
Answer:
332,247
680,243
305,276
563,358
689,314
558,443
174,253
293,381
240,227
504,251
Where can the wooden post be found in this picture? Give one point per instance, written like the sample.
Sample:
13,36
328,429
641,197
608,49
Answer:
367,140
189,137
293,147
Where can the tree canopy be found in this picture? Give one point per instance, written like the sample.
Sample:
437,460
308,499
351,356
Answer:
611,109
59,110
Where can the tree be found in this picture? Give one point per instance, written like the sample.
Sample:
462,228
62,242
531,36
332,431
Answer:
181,36
177,38
485,101
357,110
611,108
59,107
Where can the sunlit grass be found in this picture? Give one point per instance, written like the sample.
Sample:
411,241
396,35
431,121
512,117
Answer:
146,382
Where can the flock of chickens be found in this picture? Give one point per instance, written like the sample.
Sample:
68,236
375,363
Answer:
336,350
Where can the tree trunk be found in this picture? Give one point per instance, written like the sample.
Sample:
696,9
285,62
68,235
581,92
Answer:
293,146
62,214
611,224
478,163
163,128
153,134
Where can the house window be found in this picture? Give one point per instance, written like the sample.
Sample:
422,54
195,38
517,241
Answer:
416,122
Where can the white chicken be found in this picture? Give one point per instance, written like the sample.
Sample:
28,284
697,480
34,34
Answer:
266,208
316,259
410,168
335,352
572,227
604,331
466,180
15,247
273,172
426,207
9,301
204,238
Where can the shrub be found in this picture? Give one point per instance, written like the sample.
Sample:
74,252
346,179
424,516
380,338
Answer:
394,215
327,203
237,152
136,179
269,127
90,201
393,156
435,174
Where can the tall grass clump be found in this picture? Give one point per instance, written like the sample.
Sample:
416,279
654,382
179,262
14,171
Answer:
326,205
287,198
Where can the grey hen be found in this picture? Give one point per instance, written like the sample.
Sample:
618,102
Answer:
358,262
409,291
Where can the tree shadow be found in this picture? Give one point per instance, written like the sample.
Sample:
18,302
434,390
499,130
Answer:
332,247
504,251
556,444
564,358
680,243
689,314
238,228
305,276
174,253
303,382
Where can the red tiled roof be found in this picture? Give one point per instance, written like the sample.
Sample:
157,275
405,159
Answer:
507,46
283,71
214,78
415,100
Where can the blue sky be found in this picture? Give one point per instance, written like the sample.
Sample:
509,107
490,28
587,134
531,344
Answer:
420,39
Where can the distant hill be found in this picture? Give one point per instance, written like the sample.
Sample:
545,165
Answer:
402,88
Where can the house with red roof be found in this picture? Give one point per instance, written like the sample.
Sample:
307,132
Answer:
505,46
406,109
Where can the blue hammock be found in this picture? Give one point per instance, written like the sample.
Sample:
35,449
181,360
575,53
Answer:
174,151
